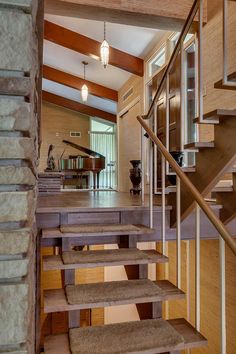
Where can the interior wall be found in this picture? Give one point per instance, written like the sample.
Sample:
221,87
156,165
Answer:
56,124
210,291
213,61
129,130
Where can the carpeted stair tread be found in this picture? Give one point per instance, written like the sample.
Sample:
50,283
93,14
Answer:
102,258
127,337
112,291
141,344
96,230
99,228
97,295
123,255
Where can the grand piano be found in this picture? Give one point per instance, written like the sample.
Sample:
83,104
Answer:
80,164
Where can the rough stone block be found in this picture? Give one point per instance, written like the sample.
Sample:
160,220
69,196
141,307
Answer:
14,115
14,242
15,352
13,268
15,206
16,148
13,313
25,5
18,86
16,175
15,40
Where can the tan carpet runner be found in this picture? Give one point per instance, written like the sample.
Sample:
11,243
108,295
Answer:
122,254
112,291
129,337
97,228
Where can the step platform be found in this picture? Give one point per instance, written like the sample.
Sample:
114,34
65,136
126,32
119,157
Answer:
102,258
96,230
138,337
114,293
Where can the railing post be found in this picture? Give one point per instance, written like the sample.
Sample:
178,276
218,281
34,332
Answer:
197,268
222,296
178,230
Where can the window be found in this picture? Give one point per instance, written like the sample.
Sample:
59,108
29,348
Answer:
157,62
103,141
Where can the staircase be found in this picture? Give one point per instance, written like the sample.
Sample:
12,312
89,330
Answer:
154,335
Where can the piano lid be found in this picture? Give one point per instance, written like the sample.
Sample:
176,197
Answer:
83,149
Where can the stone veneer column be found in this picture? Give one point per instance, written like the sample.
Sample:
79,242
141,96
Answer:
19,104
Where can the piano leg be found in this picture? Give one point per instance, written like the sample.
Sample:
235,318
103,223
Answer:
94,180
98,173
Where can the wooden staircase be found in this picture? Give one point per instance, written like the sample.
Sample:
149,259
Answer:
153,335
221,153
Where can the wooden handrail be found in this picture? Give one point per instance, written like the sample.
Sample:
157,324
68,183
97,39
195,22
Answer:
196,195
174,55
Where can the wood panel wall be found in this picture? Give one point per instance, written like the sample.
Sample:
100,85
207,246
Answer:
129,130
56,124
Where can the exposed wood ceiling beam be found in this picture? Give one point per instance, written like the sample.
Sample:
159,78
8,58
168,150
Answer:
78,107
87,46
76,82
166,15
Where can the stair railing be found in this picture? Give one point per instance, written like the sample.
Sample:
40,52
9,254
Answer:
192,189
226,81
200,202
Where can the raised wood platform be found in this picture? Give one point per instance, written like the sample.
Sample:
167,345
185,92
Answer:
102,258
189,338
214,117
85,296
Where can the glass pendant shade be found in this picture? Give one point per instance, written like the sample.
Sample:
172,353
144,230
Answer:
104,52
84,93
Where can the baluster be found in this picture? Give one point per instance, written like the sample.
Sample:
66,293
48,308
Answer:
200,63
150,183
163,204
178,230
167,118
197,268
225,42
222,296
142,166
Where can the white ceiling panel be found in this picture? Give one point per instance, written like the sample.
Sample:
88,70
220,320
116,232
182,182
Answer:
73,94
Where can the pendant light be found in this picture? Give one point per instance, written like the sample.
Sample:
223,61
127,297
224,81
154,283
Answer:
84,88
104,50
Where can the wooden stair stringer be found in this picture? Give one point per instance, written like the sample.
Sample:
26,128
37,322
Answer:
228,200
221,158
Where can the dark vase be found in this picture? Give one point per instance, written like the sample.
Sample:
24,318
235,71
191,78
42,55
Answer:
178,156
135,175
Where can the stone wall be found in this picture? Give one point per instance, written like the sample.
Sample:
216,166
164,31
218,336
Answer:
19,104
